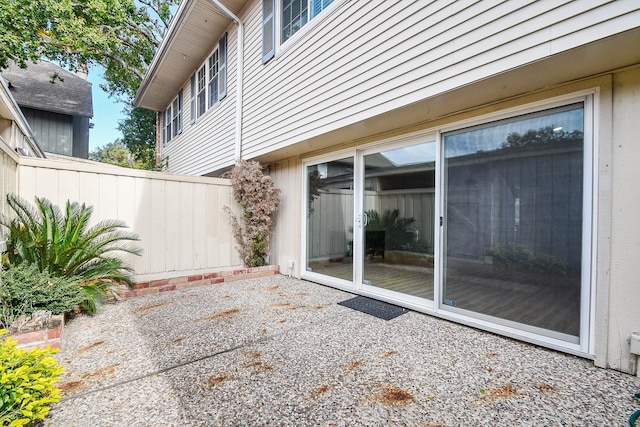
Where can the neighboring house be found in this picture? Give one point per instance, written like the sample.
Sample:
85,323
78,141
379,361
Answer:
57,104
504,133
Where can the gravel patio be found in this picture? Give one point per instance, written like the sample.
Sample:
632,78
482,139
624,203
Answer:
278,351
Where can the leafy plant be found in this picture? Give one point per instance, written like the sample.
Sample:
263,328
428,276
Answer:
519,257
25,290
64,245
27,383
510,256
398,230
259,199
315,184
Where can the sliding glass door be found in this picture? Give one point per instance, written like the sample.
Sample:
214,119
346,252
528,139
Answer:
488,224
397,227
329,212
513,234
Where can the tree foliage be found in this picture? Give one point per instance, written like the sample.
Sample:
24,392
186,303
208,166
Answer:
122,36
117,34
542,136
139,135
114,153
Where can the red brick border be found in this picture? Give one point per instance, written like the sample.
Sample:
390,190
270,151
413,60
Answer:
183,282
41,338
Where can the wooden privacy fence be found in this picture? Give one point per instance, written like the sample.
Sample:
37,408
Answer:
180,220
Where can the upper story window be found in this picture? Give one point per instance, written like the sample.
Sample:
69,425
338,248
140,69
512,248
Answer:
209,82
172,118
294,14
213,78
201,90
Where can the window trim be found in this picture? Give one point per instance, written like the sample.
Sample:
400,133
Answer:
201,97
272,25
172,119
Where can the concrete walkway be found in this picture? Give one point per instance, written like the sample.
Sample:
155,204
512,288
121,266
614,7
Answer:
281,352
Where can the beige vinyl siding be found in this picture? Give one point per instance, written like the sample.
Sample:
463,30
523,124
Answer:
367,58
285,241
180,219
624,285
209,143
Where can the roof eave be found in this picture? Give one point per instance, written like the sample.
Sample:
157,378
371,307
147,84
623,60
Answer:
155,95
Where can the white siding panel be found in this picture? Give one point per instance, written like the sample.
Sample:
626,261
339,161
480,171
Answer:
213,224
368,58
207,144
126,208
172,226
186,226
199,226
624,316
287,176
158,237
142,222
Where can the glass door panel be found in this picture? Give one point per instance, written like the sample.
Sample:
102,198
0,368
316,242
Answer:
513,201
398,220
330,218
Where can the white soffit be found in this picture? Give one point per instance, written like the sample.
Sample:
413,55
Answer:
193,33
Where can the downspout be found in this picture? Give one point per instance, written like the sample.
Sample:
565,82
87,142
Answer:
239,77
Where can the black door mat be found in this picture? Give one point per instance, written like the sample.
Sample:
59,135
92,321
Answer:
379,309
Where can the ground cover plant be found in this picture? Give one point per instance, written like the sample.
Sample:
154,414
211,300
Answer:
25,290
27,383
63,245
259,199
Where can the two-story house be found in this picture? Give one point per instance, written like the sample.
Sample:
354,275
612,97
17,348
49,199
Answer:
473,160
58,105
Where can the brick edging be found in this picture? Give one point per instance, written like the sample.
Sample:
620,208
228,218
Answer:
42,337
183,282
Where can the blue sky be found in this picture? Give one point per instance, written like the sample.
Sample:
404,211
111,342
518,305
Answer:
106,113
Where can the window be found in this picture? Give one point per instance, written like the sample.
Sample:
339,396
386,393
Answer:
294,15
209,83
193,98
201,91
213,78
177,114
167,125
172,119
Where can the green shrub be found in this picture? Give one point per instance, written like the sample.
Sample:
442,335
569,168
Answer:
519,257
25,290
511,256
65,246
27,379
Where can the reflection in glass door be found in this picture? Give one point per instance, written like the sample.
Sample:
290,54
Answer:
397,225
513,217
330,218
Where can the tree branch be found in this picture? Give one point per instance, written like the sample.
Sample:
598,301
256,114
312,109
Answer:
123,64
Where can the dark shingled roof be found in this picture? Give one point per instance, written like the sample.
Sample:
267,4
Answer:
31,87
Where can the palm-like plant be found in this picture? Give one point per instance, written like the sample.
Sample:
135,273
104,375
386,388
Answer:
64,245
397,229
